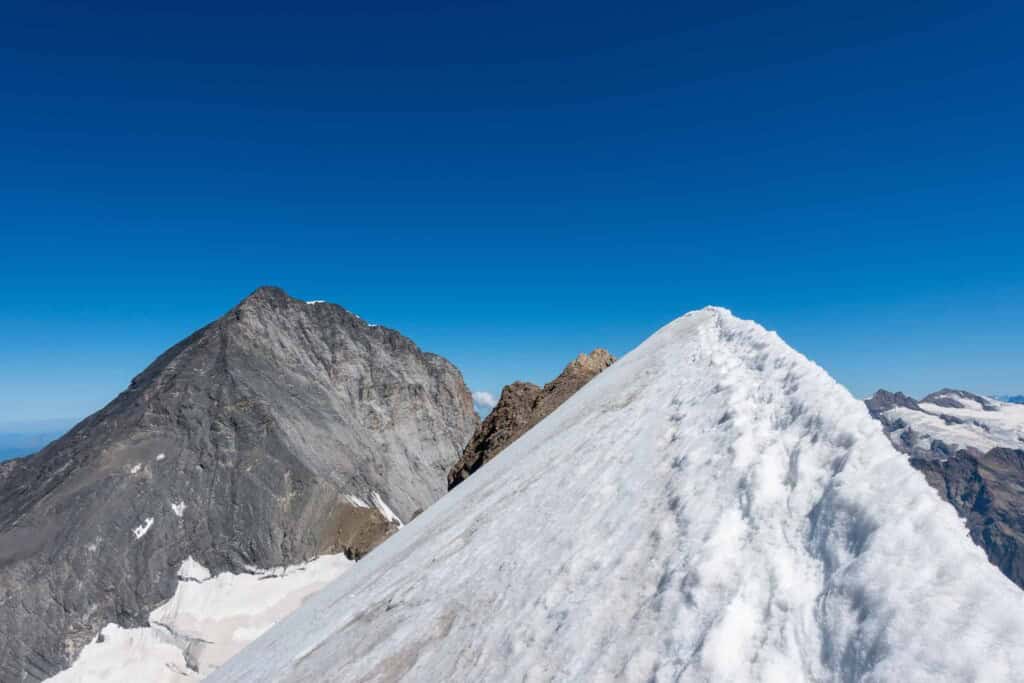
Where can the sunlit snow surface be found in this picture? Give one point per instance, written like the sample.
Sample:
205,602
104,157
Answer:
711,507
209,619
972,426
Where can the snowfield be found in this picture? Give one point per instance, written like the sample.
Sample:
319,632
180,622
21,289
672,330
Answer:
713,507
208,619
994,424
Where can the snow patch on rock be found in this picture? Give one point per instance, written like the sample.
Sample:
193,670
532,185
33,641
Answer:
191,570
995,424
143,528
383,508
208,619
357,501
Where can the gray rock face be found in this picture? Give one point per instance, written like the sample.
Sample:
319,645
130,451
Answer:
521,406
883,400
281,431
988,492
986,487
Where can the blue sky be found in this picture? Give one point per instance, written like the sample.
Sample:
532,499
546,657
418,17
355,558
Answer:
512,183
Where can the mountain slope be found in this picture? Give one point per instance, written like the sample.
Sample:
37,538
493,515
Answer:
281,431
711,507
971,449
521,406
948,420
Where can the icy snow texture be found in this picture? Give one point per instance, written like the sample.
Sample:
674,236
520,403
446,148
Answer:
207,621
193,571
712,507
1001,426
139,655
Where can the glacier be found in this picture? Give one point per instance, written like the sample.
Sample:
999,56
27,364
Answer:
979,423
713,507
207,620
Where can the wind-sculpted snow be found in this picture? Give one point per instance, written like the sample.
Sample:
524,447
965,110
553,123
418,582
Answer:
712,507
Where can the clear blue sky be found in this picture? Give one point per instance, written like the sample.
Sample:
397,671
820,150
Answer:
512,183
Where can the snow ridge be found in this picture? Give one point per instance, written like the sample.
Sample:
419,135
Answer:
712,507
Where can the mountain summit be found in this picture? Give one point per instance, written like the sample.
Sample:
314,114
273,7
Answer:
281,431
713,506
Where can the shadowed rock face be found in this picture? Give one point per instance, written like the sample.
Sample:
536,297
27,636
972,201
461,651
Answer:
260,440
884,400
986,487
521,406
988,492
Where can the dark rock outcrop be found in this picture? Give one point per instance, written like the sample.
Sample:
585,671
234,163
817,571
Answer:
883,400
988,493
521,406
986,488
281,431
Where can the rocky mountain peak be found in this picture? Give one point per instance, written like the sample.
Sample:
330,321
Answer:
593,362
268,294
956,398
521,406
883,400
278,432
583,367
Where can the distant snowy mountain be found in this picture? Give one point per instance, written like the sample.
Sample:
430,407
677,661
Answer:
713,506
971,449
947,420
1012,399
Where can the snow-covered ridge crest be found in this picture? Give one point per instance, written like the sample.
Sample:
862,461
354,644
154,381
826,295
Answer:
713,506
